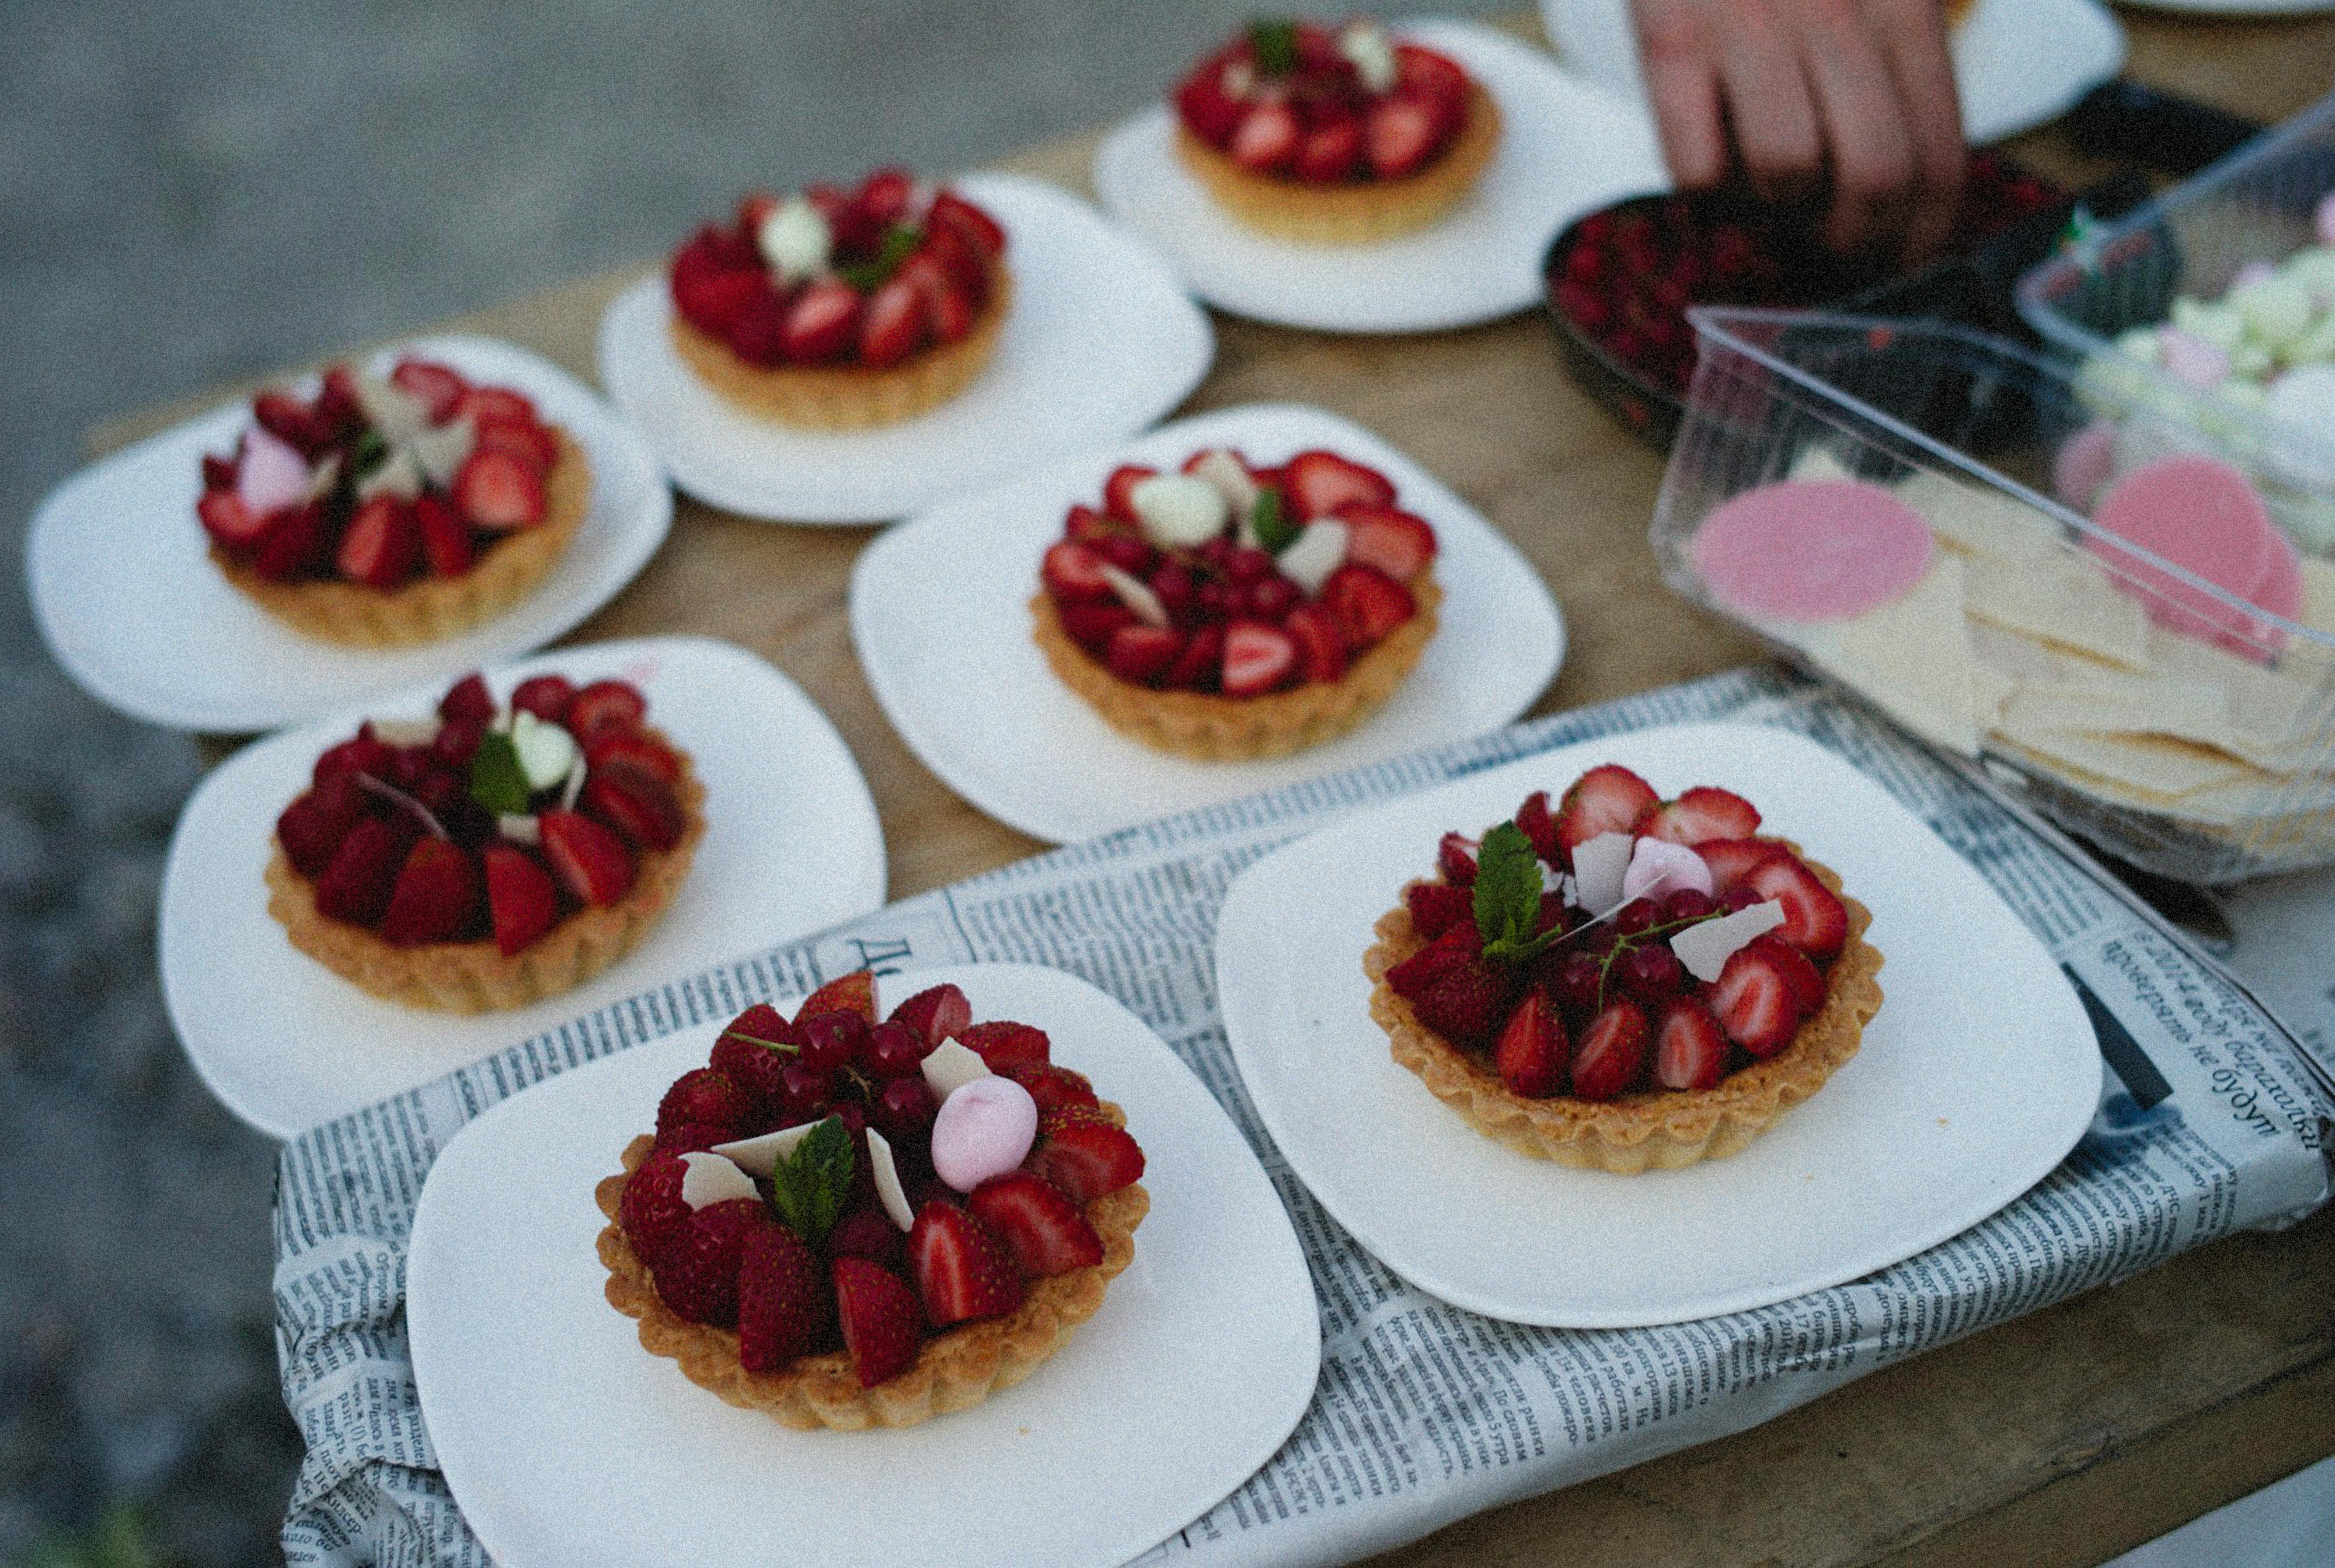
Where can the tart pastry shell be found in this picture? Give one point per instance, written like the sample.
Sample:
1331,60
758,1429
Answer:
429,608
475,976
1653,1128
953,1371
1214,728
849,397
1361,213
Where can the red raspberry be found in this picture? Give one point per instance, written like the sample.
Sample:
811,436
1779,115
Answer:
698,1275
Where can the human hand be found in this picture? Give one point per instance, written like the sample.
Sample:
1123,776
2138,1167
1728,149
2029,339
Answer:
1860,92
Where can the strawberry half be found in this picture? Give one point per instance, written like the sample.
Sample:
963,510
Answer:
1397,543
522,438
935,1013
1436,906
1044,1230
1004,1045
487,403
949,208
883,1328
1258,658
1611,1055
1455,856
226,519
590,862
852,992
1608,798
498,491
522,900
1084,1156
786,1306
605,708
445,538
1201,663
1689,1048
821,322
1316,483
436,896
1699,815
1537,822
1073,573
297,542
963,1269
1117,491
1330,151
1755,999
382,544
1054,1087
697,1273
1800,972
1138,653
468,700
1459,945
1533,1055
894,327
1367,603
438,387
1402,134
1814,920
636,802
1265,141
313,826
357,886
632,750
1320,645
1733,859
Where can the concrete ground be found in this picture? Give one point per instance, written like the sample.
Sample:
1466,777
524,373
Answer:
193,193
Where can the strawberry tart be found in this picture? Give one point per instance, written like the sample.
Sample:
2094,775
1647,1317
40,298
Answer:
842,310
1230,612
393,509
1333,136
492,856
1622,982
848,1223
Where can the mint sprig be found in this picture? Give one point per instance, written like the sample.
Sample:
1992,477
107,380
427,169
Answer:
1271,525
496,780
808,1189
899,242
1507,897
1273,43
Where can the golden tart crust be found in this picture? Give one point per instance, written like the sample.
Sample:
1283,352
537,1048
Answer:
1219,728
429,608
1650,1128
475,976
1361,213
849,397
953,1371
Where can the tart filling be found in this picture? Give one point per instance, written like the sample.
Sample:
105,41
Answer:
1622,982
1230,609
492,856
848,1223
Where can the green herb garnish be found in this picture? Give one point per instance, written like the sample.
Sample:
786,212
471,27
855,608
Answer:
1273,529
370,452
496,780
1507,897
1274,45
899,242
808,1189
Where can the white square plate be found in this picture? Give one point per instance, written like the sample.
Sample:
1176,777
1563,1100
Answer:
568,1446
1977,1076
130,604
1565,148
940,612
1099,342
791,846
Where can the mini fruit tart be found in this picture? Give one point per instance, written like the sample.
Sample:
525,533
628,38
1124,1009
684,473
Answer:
1229,612
394,511
837,310
1333,136
848,1223
1624,982
494,856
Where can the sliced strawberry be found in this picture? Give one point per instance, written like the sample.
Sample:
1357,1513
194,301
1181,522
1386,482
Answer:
1367,603
1533,1055
1455,856
895,326
786,1305
1537,822
948,309
1317,483
1330,151
1092,624
955,210
590,862
1814,920
1466,1005
1397,543
1258,658
882,1328
1201,664
1436,906
436,896
522,438
1699,815
962,1269
289,418
705,1097
486,403
714,301
636,802
1731,859
468,699
445,538
1689,1048
821,322
1083,1156
363,753
651,1208
218,472
522,900
337,414
605,708
1083,525
884,195
499,489
633,751
545,696
1119,489
1425,69
1754,1000
226,519
312,827
382,544
1610,1055
1402,134
1073,572
1460,945
439,387
697,1271
356,885
1807,980
1138,653
1321,644
758,332
1265,141
1003,1044
852,992
934,1014
1044,1230
297,542
1608,798
1054,1087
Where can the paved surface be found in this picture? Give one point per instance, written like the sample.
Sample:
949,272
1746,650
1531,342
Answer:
195,193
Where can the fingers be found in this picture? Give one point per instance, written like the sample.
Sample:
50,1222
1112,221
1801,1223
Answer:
1913,35
1776,125
1864,123
1678,53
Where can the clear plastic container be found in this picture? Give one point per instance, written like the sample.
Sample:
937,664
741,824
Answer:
2137,704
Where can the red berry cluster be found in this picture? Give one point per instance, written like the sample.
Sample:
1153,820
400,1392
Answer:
1610,1010
1235,624
1284,99
394,841
1631,271
864,1287
902,277
385,540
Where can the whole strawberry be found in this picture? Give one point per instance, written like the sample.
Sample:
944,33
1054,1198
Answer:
704,1096
786,1308
652,1208
697,1276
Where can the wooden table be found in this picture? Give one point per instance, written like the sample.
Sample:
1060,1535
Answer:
2061,1438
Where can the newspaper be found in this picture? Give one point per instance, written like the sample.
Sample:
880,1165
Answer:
1423,1413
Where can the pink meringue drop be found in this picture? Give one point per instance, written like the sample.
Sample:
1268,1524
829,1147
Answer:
1660,867
984,1129
2192,359
272,474
2253,272
2323,220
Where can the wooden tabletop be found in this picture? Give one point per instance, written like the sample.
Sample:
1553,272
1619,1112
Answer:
2061,1438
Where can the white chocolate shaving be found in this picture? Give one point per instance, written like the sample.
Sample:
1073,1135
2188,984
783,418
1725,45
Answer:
894,1198
711,1179
1705,947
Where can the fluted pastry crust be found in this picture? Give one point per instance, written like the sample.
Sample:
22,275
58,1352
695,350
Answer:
1651,1128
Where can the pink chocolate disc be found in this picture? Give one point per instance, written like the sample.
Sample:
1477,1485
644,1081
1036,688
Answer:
2196,512
1811,549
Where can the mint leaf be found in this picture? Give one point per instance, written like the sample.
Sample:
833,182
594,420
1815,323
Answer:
1273,45
370,452
496,780
900,242
1274,530
1507,886
808,1190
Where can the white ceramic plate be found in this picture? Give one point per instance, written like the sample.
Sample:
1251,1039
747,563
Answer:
940,609
568,1446
2241,7
133,607
1977,1076
2017,62
1565,148
1099,342
791,846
